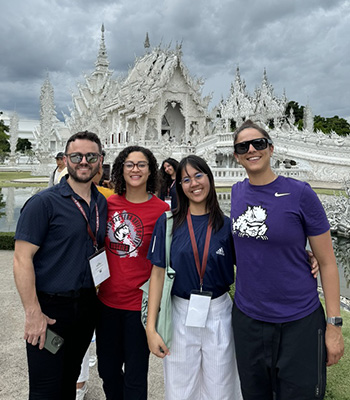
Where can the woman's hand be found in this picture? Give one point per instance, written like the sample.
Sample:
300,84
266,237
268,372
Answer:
156,344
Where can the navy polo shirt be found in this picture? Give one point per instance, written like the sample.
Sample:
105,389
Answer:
51,220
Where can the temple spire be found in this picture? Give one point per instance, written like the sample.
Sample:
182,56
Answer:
146,43
102,62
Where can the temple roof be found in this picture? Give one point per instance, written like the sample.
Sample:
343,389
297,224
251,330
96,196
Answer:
150,77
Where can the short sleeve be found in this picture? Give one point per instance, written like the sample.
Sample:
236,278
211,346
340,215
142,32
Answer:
156,251
313,213
33,223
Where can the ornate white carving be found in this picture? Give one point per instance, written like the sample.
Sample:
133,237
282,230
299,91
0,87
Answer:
160,89
94,95
13,133
338,211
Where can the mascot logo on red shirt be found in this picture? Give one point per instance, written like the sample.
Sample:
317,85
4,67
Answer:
125,234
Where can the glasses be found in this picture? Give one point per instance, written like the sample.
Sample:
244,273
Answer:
77,158
258,144
140,165
199,176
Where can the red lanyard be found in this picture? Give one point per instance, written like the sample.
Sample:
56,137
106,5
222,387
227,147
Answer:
200,270
169,188
80,208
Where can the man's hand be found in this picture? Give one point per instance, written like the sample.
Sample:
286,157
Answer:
35,327
315,268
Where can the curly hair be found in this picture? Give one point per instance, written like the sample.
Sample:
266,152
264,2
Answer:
117,175
166,180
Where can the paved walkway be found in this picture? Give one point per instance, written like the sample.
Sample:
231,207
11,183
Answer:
13,363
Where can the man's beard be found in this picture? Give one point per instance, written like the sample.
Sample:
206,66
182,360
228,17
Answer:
73,173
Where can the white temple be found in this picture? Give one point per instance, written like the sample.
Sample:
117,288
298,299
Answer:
159,105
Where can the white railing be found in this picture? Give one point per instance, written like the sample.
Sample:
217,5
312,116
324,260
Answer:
228,176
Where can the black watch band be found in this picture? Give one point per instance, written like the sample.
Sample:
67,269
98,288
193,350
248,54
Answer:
336,321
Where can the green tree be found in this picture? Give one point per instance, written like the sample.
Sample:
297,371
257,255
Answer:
336,124
326,125
4,142
297,110
23,145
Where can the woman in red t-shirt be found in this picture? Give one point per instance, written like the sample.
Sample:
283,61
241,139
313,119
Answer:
122,348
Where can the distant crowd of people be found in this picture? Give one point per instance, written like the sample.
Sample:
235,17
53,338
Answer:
85,245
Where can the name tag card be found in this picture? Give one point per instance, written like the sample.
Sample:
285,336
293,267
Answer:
168,200
198,309
99,267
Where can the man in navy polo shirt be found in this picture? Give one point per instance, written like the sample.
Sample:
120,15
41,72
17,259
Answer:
58,230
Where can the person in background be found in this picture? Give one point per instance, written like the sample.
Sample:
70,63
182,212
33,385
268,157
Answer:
202,363
103,186
59,171
168,188
283,341
132,214
58,230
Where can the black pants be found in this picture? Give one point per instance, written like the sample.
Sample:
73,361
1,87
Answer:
281,361
54,376
121,339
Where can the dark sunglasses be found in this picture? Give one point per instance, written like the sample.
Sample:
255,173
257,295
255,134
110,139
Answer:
258,144
77,158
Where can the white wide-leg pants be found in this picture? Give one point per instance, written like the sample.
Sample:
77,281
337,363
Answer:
202,361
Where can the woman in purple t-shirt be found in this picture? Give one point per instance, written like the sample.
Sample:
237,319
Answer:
283,343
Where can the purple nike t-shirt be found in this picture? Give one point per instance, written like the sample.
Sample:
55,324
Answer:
270,226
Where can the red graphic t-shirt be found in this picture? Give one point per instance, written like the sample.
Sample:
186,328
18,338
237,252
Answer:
128,236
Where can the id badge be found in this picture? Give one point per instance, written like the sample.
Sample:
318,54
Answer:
198,309
168,200
99,267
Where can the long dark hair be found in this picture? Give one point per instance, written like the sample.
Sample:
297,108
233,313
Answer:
166,179
117,175
216,216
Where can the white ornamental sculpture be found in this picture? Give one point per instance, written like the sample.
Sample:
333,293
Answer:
13,137
48,120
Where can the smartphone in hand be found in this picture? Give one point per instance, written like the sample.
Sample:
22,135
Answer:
53,341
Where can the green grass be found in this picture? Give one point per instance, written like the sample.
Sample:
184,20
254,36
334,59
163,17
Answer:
331,192
338,375
6,180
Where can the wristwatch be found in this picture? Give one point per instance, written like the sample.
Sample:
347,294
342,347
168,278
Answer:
336,321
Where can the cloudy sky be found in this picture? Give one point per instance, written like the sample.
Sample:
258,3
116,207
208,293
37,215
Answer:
304,46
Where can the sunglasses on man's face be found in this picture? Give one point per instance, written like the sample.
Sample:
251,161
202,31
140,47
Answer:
77,158
258,144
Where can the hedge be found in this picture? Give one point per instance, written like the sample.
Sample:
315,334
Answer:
7,241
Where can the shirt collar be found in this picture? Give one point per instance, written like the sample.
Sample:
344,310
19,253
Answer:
66,190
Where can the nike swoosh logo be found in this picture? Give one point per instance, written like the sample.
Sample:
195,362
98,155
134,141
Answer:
281,194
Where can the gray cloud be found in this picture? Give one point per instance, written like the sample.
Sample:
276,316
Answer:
302,45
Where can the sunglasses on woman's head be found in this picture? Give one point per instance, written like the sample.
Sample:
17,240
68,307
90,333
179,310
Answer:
258,144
